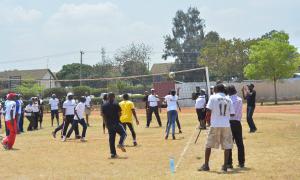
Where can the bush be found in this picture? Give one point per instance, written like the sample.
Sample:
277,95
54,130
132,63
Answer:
4,92
80,90
98,91
60,92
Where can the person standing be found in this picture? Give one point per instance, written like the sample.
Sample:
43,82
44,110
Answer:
79,117
54,103
41,111
10,121
29,115
68,115
104,100
219,110
249,94
88,107
111,112
172,102
153,107
128,109
236,126
200,109
36,112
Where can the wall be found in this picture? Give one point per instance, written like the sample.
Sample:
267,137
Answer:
288,89
46,82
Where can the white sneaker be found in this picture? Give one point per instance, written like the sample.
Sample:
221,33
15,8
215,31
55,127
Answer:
63,139
83,140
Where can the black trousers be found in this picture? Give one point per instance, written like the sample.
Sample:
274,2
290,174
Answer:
237,133
82,123
201,117
30,126
149,115
113,130
36,116
69,120
250,111
130,126
54,113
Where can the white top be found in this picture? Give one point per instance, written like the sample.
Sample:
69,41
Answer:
221,107
35,107
53,103
28,110
238,107
171,102
80,108
88,100
200,102
152,99
69,105
9,106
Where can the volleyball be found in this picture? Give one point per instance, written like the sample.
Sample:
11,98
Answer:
171,75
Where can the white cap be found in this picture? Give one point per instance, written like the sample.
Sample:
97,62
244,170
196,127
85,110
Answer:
70,94
152,89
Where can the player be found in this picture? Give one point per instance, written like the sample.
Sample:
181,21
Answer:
104,100
172,102
36,112
153,107
29,115
128,110
88,107
41,111
54,103
200,108
250,95
79,113
219,109
10,121
111,112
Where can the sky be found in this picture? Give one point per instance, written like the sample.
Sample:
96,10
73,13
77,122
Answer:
38,34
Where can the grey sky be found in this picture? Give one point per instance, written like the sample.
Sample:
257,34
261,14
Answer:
35,28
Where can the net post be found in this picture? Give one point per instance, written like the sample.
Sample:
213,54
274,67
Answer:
207,81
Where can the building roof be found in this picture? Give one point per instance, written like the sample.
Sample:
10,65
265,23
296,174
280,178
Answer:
161,68
34,74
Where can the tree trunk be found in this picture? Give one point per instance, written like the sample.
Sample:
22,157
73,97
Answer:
275,90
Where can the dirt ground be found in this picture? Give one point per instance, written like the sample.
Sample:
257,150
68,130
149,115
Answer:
271,153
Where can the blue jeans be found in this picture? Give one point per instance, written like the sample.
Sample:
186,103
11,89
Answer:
250,111
172,115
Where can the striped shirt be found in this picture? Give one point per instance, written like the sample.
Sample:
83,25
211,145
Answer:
238,107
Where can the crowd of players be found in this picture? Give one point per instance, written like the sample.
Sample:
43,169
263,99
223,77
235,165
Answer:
222,112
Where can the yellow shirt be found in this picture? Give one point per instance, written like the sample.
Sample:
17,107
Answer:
126,115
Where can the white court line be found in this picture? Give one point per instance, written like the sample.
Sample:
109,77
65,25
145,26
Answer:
185,149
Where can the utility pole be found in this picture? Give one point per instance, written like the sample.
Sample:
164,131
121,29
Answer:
81,54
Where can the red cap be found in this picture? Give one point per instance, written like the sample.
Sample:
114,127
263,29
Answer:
11,96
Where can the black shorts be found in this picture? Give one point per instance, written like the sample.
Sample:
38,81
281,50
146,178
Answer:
54,113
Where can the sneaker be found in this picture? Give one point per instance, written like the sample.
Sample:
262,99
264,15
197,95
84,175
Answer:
147,127
134,143
204,168
166,137
122,148
180,132
54,134
173,137
224,168
83,139
229,166
114,156
4,146
78,137
63,139
241,165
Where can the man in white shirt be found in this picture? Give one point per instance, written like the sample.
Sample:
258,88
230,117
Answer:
236,126
54,103
10,121
78,118
153,101
200,108
219,109
29,115
88,107
36,112
172,102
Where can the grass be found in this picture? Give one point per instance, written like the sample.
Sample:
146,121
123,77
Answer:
271,153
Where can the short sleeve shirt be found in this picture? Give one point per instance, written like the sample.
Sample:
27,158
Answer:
111,113
126,114
10,106
88,101
69,106
251,98
152,99
171,102
54,103
221,107
200,102
80,108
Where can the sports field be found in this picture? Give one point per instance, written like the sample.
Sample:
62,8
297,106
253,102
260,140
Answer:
271,153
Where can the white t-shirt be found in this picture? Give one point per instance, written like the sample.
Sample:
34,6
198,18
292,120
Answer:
54,103
35,107
221,107
171,102
152,99
28,110
9,106
80,108
200,102
88,100
69,105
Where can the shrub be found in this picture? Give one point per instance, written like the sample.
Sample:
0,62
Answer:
80,90
60,92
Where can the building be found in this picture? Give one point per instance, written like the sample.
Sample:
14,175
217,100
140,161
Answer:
13,78
161,68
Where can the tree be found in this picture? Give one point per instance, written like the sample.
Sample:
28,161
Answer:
133,59
186,40
29,89
72,71
272,58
